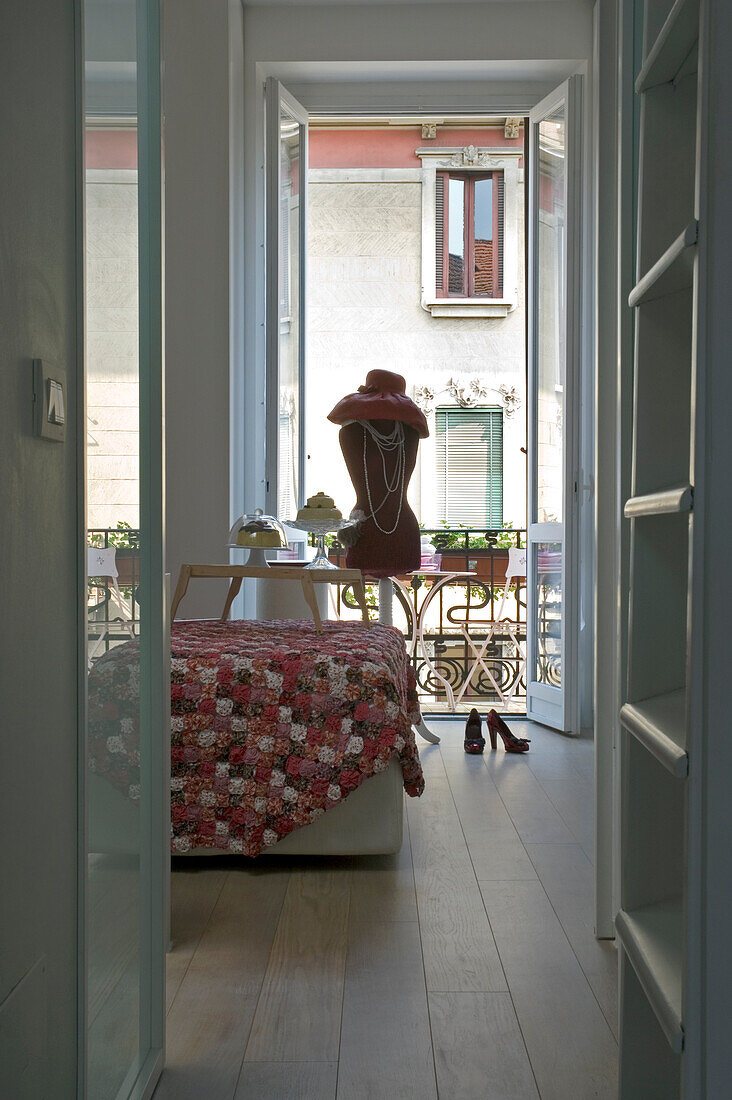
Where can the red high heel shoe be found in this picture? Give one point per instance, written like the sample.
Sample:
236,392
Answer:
474,740
511,743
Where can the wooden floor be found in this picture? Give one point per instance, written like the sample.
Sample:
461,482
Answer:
464,968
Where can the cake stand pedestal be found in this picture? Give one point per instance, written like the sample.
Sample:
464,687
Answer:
321,560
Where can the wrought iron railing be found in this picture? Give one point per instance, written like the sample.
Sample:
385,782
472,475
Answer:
108,616
462,615
463,620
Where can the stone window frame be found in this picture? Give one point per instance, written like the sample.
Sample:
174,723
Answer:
479,160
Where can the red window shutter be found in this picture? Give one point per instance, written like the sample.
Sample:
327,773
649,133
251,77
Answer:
498,292
440,234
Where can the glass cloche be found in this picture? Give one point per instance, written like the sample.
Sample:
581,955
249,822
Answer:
258,533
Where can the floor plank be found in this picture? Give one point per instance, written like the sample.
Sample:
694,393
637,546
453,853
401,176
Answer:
385,1035
571,1047
287,1081
458,947
382,887
479,1049
575,804
321,978
569,881
535,818
299,1010
194,893
210,1019
494,845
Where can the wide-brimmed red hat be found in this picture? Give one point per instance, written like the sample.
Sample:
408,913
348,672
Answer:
383,397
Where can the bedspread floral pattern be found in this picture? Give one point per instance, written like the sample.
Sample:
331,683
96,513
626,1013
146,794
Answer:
272,724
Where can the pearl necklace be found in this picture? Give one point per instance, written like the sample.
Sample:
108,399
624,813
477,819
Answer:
386,442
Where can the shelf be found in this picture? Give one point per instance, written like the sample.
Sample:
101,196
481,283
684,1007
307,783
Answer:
652,938
660,724
664,503
675,42
672,272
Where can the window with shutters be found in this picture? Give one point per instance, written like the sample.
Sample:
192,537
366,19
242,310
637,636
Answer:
469,235
469,460
472,230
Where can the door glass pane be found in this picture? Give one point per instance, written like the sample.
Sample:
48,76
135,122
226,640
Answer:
483,237
114,913
550,321
456,236
290,352
549,613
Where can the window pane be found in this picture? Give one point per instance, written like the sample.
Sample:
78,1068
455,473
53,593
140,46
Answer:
456,235
549,613
550,320
483,230
289,310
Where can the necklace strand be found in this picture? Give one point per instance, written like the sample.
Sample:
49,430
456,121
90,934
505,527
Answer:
386,443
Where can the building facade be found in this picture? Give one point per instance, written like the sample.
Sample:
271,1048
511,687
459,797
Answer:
416,265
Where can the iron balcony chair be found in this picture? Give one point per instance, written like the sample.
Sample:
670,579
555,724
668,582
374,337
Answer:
498,625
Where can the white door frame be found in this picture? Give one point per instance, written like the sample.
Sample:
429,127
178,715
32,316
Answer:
557,706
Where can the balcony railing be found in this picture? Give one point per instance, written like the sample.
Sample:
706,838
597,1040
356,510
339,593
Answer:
459,620
107,615
460,617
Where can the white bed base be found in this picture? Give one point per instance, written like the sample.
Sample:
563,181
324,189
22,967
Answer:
368,822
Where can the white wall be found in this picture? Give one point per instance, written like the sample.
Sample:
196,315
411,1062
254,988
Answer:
196,108
41,539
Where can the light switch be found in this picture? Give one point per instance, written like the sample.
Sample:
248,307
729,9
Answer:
56,409
49,401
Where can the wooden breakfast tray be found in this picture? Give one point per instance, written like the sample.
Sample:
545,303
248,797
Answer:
307,577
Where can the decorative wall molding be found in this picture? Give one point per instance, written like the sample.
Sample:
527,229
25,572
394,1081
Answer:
467,157
470,157
429,130
512,127
468,392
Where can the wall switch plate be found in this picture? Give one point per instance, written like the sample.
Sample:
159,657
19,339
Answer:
49,401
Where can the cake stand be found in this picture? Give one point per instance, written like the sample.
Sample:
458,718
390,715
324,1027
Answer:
326,527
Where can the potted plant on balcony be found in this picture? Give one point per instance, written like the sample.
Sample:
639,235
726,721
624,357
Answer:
488,550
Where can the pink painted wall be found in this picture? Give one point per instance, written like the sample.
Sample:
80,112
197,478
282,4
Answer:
393,148
111,149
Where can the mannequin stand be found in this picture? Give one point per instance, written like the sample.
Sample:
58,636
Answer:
386,617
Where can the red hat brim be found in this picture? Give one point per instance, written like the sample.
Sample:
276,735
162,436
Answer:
382,398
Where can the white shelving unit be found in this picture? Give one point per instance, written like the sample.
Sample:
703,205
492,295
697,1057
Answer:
657,753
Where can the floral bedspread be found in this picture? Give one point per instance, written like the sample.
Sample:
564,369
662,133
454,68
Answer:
272,724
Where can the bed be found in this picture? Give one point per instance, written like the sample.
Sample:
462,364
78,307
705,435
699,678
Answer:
283,740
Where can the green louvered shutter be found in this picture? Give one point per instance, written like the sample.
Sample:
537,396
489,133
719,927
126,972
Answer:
469,446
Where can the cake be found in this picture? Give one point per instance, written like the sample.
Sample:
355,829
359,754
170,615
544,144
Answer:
320,508
258,532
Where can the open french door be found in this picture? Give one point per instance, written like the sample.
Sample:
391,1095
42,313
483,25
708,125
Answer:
286,251
553,373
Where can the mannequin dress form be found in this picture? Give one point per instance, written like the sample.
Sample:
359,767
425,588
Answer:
388,541
379,440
